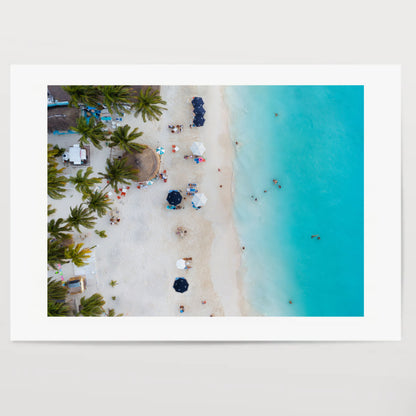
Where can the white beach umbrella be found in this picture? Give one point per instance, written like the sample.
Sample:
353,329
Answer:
197,148
181,264
199,200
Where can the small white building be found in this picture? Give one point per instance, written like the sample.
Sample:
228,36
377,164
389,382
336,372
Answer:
76,155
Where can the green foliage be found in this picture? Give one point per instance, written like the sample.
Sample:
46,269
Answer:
91,131
56,253
113,297
102,233
92,306
58,309
59,150
149,104
118,173
111,312
80,216
56,182
83,182
56,291
113,283
115,97
99,202
51,210
59,229
77,254
124,140
82,94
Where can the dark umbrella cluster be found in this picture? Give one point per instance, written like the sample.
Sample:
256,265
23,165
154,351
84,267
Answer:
199,111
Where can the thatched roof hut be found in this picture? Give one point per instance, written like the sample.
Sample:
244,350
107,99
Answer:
58,93
148,163
62,118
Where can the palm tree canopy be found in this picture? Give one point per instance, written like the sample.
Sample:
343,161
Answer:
82,94
83,182
56,183
77,254
80,216
99,202
118,173
123,138
56,253
149,104
51,210
115,97
59,229
58,309
91,131
92,306
56,291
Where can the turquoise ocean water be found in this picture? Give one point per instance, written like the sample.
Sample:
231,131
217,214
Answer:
315,149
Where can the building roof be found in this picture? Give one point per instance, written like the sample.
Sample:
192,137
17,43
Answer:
62,118
58,93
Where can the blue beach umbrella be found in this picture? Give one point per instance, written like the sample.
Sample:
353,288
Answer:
199,110
199,120
197,101
181,285
160,150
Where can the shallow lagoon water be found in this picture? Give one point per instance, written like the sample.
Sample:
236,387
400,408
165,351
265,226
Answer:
315,149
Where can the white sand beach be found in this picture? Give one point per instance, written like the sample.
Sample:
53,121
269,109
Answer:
140,252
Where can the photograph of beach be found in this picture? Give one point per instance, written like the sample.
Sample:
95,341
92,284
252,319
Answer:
205,201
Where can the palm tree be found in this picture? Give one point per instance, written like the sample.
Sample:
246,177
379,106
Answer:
56,291
59,229
82,181
101,233
113,283
80,216
58,309
56,183
77,254
124,140
91,131
53,153
82,94
99,202
118,173
112,312
115,97
92,306
149,104
56,253
51,210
